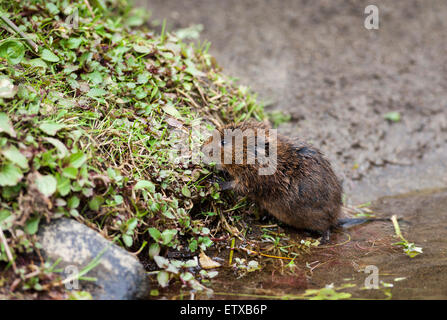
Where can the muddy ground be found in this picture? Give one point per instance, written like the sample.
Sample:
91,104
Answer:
316,61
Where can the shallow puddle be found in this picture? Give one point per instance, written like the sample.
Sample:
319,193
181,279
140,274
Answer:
343,261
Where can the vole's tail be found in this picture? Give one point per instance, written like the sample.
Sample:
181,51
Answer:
350,222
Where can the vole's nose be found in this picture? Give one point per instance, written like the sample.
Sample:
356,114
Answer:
210,153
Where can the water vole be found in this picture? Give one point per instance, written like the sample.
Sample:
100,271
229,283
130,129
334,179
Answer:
301,188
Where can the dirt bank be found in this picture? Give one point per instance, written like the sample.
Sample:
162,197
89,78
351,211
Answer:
317,62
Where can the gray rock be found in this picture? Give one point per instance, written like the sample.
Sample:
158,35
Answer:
120,276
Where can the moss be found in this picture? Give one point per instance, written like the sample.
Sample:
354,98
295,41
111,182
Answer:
87,129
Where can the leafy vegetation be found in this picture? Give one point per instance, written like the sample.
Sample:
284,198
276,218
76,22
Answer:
94,107
393,116
277,117
409,248
88,122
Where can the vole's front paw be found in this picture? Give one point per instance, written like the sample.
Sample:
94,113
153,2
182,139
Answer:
326,237
226,185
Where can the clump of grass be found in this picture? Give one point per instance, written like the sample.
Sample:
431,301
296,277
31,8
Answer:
409,248
87,122
278,117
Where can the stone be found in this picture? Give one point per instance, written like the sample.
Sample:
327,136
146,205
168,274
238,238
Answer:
120,276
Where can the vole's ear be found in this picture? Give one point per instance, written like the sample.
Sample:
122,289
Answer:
266,124
251,123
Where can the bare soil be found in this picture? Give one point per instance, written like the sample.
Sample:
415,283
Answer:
316,61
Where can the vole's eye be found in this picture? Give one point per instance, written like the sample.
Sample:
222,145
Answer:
223,142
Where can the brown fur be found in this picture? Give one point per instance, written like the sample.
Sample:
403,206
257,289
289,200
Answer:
303,192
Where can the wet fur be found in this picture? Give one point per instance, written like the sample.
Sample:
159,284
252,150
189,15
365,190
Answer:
304,191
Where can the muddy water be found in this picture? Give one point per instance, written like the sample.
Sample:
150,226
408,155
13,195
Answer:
342,262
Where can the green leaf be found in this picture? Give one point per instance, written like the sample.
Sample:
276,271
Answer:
144,184
168,214
205,241
128,241
52,8
62,150
186,276
70,172
37,63
49,56
73,202
51,128
140,93
95,203
7,89
46,184
132,224
163,278
154,250
154,293
10,175
168,235
74,213
118,199
171,110
134,20
6,125
162,262
192,70
16,157
191,263
186,192
392,116
74,43
80,295
63,186
191,32
4,214
95,77
193,245
142,49
77,159
96,92
278,117
143,77
32,225
13,51
155,234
